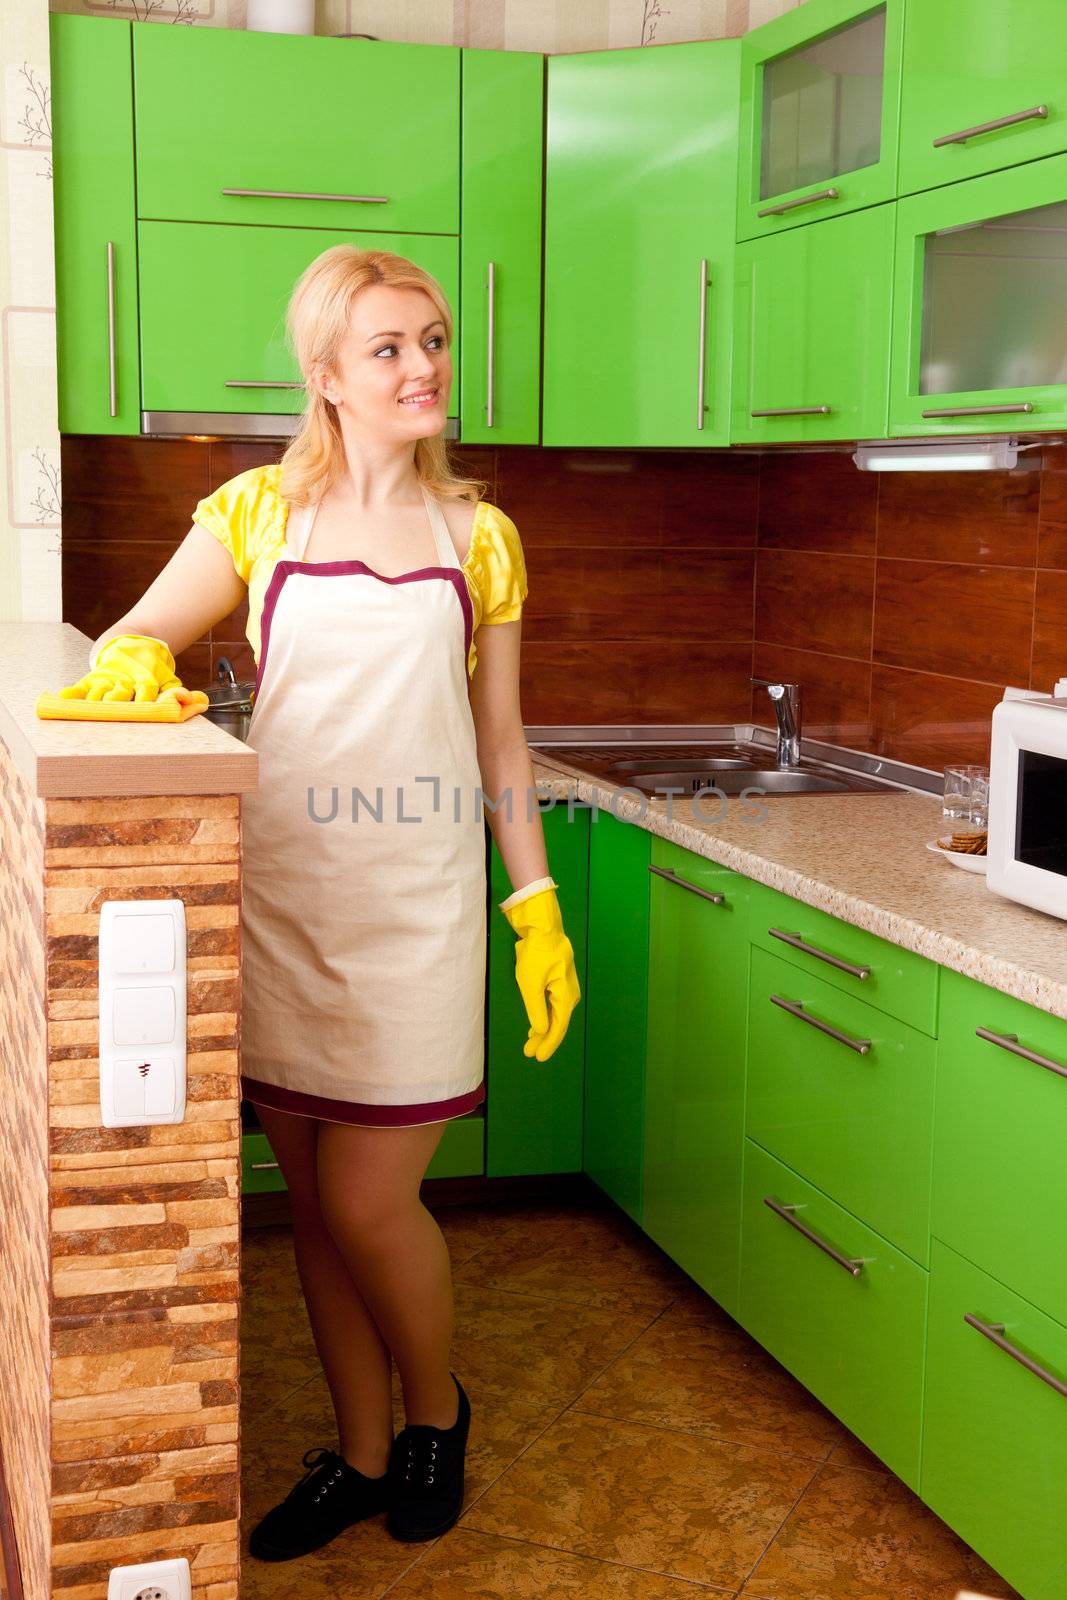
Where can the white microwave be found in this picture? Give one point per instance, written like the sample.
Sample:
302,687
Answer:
1028,799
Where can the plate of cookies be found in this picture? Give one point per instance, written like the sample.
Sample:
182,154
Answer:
966,850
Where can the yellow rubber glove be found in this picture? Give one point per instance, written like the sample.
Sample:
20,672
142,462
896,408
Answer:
132,666
544,966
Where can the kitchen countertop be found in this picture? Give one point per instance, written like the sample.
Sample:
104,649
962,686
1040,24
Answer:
862,858
80,760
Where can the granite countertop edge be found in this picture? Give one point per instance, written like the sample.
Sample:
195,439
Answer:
1036,985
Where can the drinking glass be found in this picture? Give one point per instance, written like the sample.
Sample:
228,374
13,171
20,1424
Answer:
966,803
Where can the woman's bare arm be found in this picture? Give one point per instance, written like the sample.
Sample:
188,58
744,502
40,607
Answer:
504,756
197,588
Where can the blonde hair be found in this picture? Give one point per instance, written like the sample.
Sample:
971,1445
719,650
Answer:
317,320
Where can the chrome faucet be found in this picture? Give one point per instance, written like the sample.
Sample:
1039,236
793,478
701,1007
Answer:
786,700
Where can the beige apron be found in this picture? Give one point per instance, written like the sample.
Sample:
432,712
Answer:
363,914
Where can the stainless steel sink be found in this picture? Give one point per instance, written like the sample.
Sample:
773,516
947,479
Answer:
729,757
734,781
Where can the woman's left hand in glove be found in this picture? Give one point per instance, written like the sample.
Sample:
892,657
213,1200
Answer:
544,967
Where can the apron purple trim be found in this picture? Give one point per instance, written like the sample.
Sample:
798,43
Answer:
334,569
357,1112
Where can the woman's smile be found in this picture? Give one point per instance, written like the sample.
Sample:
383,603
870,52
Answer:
421,399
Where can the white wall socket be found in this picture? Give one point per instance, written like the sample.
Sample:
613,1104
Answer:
151,1580
142,977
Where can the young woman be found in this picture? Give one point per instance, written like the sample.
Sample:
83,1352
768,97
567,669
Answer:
369,566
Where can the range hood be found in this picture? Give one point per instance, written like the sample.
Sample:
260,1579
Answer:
234,425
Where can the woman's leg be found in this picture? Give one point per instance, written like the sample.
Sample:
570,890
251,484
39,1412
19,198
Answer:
369,1182
354,1356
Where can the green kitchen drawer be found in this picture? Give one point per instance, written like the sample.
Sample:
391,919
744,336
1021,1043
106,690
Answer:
857,1125
852,1335
999,1191
994,1461
895,980
461,1154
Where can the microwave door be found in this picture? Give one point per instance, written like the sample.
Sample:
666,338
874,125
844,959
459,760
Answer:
1041,812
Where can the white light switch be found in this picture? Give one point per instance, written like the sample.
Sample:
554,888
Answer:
143,943
142,1012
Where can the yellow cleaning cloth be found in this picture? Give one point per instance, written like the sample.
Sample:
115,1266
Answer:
168,709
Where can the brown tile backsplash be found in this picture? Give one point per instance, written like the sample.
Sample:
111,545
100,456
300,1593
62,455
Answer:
660,580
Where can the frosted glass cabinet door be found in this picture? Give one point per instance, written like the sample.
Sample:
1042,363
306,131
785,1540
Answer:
980,337
819,106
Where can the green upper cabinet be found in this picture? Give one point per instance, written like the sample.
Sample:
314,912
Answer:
369,127
217,353
812,329
695,1072
981,283
981,87
640,186
500,328
534,1108
820,94
95,230
616,1008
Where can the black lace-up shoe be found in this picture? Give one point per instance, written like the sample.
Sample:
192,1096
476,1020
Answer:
426,1476
329,1498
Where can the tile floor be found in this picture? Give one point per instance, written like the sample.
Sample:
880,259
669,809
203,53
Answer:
628,1440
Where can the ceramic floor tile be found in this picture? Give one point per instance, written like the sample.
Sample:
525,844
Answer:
672,1503
851,1453
465,1565
592,1259
469,1228
698,1370
864,1536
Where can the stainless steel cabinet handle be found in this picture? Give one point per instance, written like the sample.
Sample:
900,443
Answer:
795,1009
803,200
991,127
112,388
264,1166
702,336
1010,1042
978,411
489,322
852,1267
302,194
798,943
994,1332
243,383
793,411
705,894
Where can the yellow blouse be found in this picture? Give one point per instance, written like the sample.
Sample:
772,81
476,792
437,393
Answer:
248,515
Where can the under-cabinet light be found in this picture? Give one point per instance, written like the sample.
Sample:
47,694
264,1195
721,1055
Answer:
955,455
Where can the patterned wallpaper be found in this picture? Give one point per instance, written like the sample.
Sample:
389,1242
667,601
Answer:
30,578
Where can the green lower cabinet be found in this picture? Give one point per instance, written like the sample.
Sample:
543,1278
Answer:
994,1462
843,1094
616,1009
695,1065
811,331
854,1338
224,352
534,1108
1000,1140
460,1154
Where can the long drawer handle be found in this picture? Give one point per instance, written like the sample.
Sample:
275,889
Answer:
702,333
1010,1042
303,194
112,389
795,1009
490,335
793,411
994,1332
852,1267
798,943
264,1166
991,127
671,876
802,200
980,411
247,383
